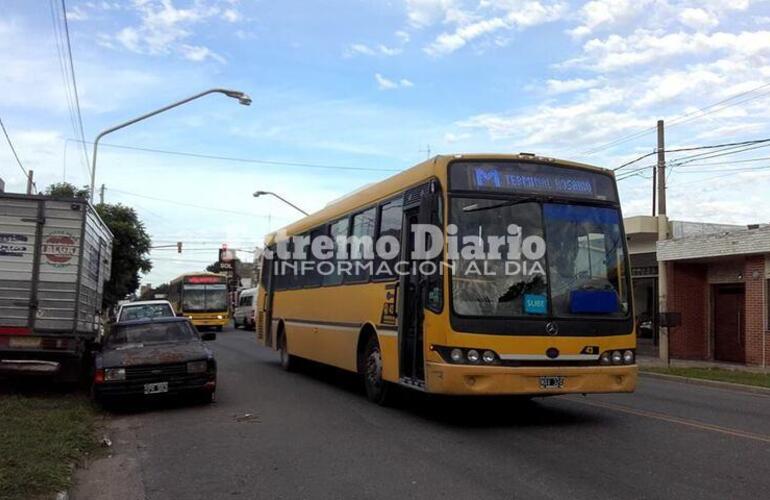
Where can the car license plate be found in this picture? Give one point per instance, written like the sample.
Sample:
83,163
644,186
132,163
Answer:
156,388
24,342
552,382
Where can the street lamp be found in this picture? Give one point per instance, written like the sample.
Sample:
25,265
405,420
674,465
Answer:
235,94
257,194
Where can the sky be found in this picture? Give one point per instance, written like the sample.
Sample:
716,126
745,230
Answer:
369,88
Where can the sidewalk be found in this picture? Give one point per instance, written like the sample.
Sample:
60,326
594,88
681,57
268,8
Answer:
654,362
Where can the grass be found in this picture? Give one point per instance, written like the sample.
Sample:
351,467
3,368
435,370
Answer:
719,374
41,436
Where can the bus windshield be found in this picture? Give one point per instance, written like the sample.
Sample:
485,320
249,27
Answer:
204,298
555,260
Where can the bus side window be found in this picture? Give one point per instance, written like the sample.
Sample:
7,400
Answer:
314,278
390,226
337,229
361,253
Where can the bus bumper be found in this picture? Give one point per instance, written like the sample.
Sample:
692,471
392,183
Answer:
444,378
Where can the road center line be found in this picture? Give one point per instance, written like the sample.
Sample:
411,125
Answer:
672,419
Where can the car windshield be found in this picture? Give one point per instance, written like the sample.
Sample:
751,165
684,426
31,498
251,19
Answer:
203,298
152,333
145,311
550,259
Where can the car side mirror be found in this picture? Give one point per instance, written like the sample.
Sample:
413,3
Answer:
208,336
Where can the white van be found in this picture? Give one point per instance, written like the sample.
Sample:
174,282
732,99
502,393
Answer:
245,309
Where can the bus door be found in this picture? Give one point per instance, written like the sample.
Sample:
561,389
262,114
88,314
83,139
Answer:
418,209
265,314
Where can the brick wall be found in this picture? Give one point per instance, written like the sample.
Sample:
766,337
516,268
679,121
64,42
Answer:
754,277
688,295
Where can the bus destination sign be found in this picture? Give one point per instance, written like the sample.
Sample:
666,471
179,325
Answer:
530,178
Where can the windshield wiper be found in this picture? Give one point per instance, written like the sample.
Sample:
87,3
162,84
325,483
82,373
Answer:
476,208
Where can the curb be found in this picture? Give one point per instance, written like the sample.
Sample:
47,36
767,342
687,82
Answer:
752,389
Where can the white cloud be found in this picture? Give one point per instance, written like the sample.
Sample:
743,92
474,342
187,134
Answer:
165,29
366,50
388,84
604,13
198,53
554,87
423,13
698,19
644,46
493,17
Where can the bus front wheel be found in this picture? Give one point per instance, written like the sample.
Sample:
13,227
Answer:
377,390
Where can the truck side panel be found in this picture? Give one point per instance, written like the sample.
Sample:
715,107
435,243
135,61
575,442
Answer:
17,250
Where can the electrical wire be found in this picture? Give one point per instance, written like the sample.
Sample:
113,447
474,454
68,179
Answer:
685,118
15,154
74,81
190,205
241,159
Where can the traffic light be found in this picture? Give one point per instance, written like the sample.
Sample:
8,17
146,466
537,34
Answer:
178,247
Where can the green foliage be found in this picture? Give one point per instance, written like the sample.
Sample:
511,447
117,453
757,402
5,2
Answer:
66,190
40,437
130,251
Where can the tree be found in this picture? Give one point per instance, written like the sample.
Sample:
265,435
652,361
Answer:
66,190
130,251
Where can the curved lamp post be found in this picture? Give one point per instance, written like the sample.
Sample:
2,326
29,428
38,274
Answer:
235,94
257,194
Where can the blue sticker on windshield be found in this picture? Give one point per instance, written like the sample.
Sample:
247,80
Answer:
535,303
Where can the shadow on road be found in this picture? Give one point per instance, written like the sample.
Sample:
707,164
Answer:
469,411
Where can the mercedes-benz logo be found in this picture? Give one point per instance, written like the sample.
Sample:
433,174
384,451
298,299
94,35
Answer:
551,328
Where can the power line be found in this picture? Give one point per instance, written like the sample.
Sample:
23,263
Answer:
15,155
692,148
241,159
183,204
682,118
62,60
74,81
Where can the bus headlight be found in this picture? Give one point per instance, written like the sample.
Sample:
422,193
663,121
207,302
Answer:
219,316
605,358
464,355
617,357
628,357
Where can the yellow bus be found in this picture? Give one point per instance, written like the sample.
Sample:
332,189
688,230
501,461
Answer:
202,297
512,279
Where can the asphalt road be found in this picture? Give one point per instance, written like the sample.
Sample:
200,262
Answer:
312,434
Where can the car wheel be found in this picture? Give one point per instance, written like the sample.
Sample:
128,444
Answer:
288,362
377,390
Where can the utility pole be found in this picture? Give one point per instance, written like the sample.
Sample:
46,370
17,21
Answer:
426,150
101,195
663,340
30,182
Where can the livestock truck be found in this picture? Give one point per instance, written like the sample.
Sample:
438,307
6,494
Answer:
55,257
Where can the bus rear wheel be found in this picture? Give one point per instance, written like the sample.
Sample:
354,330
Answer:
288,362
377,390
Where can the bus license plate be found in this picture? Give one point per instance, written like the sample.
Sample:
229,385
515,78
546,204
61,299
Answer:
552,382
156,388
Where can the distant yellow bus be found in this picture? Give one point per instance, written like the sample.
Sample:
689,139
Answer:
524,291
202,297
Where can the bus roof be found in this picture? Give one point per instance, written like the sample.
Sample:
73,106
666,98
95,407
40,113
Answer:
378,191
